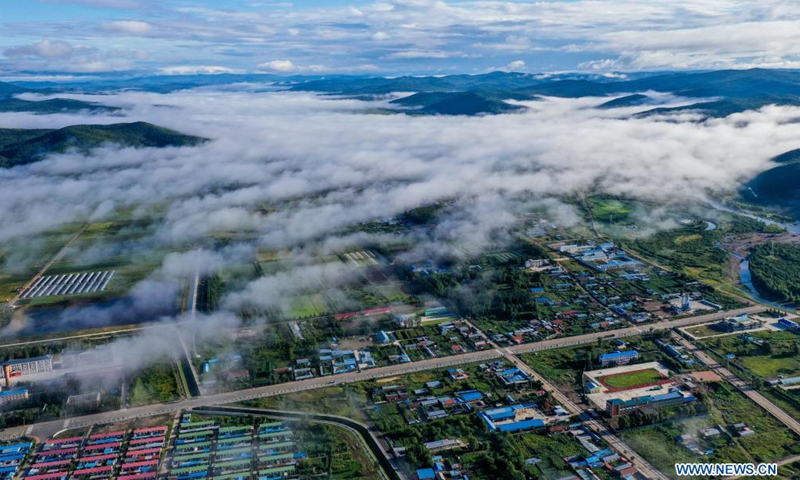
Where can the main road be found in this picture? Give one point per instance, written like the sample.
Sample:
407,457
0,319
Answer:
44,429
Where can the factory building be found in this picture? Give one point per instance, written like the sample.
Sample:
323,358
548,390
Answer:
27,366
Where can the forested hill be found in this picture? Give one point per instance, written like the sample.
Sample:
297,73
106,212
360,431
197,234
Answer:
54,105
20,147
775,269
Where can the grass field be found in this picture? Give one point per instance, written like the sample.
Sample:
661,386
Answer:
702,331
778,358
607,209
632,379
303,306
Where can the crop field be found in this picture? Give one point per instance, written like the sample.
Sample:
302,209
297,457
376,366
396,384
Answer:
629,380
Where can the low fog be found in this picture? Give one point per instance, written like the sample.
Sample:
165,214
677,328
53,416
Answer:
295,170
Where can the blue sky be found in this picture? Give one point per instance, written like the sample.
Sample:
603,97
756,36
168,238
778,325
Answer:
390,37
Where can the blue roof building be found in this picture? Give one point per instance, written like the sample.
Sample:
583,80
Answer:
521,425
618,358
426,474
785,322
469,395
383,337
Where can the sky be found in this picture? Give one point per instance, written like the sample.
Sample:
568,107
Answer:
391,37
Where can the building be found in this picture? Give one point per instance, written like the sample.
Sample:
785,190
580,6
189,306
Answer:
426,474
785,382
513,418
788,324
616,407
618,262
537,263
435,311
739,323
676,352
13,396
26,366
445,444
513,376
457,374
618,358
382,337
470,396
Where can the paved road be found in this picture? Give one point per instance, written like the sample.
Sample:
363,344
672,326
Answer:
191,308
630,331
45,428
743,386
429,364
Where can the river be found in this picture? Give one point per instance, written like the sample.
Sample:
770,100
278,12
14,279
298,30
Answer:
793,228
745,276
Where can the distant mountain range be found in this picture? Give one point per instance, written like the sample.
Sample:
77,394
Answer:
20,147
55,105
733,90
456,103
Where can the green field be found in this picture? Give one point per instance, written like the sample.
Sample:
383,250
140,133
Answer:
779,354
608,209
632,379
305,306
726,406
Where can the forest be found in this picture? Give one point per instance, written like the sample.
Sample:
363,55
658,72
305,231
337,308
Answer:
776,269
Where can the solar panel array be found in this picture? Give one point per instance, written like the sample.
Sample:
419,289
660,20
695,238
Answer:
70,284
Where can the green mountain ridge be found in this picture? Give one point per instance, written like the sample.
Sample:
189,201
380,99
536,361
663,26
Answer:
55,105
7,90
456,103
21,147
778,186
725,107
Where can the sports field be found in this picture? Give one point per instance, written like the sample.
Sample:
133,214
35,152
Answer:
633,379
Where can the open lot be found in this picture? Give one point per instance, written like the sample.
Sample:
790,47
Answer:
724,406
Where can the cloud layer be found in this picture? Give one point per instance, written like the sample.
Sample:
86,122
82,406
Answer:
403,36
295,167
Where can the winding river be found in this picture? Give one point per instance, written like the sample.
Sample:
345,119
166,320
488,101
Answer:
793,228
745,276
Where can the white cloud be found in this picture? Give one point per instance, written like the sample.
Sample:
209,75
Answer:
287,66
195,69
47,49
411,54
516,66
127,26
